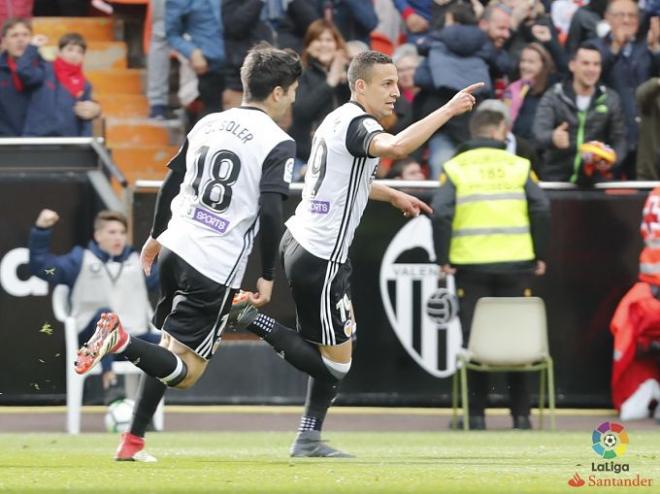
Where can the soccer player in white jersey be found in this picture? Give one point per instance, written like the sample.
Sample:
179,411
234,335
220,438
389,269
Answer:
228,180
345,153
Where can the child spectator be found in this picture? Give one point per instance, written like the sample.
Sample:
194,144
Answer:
406,169
64,105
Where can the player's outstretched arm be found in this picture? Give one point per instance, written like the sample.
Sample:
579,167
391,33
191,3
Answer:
408,140
409,205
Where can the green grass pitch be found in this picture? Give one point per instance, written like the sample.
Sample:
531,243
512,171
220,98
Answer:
435,462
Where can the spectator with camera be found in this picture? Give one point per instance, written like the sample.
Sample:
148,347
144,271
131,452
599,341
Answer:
577,112
490,227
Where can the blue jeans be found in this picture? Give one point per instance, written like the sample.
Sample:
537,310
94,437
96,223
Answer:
441,149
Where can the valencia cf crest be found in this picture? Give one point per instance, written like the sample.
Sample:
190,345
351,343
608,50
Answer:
420,305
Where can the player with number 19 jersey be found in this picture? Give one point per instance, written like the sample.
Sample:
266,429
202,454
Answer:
230,159
337,182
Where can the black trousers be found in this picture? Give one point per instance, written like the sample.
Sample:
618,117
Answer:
210,86
471,285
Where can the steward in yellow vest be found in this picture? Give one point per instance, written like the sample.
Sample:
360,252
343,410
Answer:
490,228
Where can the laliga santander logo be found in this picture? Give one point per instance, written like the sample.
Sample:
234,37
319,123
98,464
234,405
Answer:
609,440
422,315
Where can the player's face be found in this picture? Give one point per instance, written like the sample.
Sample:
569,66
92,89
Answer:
286,100
72,54
16,40
111,237
382,90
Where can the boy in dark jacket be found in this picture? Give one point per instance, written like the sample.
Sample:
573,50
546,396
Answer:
63,106
22,71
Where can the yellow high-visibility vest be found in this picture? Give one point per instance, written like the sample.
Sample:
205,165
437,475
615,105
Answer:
491,223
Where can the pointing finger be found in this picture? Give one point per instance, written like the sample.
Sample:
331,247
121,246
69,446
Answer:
473,87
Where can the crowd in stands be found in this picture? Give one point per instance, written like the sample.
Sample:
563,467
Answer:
569,73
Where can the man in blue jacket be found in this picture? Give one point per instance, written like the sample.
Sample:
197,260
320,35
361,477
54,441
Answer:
22,70
105,276
203,45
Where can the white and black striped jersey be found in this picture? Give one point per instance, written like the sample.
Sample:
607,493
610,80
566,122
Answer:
230,158
337,183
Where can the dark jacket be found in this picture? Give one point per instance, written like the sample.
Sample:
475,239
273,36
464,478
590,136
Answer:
583,27
31,69
648,151
355,19
64,270
314,100
243,28
444,207
625,72
50,112
523,36
602,121
291,28
457,56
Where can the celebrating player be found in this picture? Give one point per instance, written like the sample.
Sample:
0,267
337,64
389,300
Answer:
230,176
338,183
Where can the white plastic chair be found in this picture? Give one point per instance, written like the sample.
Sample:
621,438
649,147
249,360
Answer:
508,334
75,382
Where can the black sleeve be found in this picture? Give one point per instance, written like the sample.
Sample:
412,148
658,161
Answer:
240,16
168,191
444,206
270,226
538,207
178,163
277,169
360,132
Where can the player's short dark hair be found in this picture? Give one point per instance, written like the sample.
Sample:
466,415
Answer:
360,67
265,68
15,21
586,45
72,39
106,215
483,120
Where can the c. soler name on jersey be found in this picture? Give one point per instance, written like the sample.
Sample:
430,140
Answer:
243,133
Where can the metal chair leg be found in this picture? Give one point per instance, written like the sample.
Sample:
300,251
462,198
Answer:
454,399
464,397
541,396
551,393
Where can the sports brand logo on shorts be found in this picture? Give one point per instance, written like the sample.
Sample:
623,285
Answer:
210,220
319,207
421,311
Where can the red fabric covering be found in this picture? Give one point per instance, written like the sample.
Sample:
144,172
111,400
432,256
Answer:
70,76
11,63
636,321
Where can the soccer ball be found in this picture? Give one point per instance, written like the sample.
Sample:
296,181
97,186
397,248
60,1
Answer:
119,415
609,440
442,306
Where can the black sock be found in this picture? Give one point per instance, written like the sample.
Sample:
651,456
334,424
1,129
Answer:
150,393
292,347
320,395
155,360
